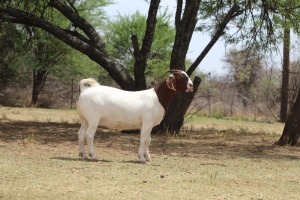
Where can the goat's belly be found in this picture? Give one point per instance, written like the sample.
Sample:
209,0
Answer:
121,124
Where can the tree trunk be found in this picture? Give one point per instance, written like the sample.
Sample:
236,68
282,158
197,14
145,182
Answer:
141,56
185,24
291,131
285,75
39,79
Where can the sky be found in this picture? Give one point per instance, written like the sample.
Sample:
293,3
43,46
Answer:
213,60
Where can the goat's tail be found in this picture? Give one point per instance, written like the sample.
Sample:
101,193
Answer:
86,83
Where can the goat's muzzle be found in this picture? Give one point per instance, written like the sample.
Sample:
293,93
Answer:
190,87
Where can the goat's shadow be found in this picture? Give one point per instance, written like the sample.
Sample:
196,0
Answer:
81,160
103,161
140,163
133,162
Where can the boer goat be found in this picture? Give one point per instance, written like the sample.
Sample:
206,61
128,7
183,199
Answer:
124,110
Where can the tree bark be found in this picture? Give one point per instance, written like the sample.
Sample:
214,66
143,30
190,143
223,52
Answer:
141,56
291,131
285,75
39,79
185,24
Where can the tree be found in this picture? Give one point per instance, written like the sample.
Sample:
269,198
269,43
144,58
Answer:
44,53
10,38
269,85
122,48
185,23
285,73
291,131
209,90
294,80
87,40
46,56
244,67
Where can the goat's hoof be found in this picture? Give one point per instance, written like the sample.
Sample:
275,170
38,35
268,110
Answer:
142,159
148,158
92,156
82,156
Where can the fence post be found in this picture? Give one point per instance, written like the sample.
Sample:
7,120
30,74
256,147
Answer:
72,91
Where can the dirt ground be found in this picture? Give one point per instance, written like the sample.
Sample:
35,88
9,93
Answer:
191,143
39,160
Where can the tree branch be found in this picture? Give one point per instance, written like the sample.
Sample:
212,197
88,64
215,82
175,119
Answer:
136,47
232,13
150,29
141,56
78,21
178,13
185,27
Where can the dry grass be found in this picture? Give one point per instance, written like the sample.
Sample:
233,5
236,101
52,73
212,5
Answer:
38,160
38,115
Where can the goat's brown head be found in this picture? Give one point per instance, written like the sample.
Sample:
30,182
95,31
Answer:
179,81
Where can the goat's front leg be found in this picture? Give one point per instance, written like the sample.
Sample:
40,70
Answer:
145,140
90,140
81,139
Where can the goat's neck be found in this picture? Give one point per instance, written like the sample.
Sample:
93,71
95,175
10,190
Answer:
164,94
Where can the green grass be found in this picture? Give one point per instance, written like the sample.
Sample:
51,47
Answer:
238,126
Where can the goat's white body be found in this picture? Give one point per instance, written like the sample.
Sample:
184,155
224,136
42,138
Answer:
117,109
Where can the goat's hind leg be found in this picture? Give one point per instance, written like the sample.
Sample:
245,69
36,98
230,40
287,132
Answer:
143,153
81,139
92,128
147,144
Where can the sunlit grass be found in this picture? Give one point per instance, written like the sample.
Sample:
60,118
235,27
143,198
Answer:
240,126
39,115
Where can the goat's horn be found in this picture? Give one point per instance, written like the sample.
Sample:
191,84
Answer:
173,70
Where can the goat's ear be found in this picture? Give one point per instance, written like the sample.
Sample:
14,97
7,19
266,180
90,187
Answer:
87,85
171,82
